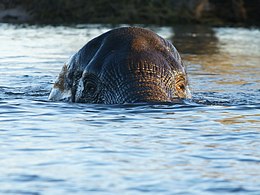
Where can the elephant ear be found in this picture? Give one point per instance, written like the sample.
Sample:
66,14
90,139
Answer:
62,88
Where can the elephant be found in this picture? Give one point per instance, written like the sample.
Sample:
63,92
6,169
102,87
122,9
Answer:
123,65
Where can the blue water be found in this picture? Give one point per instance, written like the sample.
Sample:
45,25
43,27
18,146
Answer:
207,145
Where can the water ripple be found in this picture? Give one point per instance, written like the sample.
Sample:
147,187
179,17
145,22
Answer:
205,145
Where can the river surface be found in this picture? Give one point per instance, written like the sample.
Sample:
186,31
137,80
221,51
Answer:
207,145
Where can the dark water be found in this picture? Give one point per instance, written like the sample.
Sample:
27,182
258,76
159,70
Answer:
207,145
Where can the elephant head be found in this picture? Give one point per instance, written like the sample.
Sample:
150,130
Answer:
124,65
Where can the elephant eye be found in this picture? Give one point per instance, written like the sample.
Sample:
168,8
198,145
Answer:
180,82
90,87
180,86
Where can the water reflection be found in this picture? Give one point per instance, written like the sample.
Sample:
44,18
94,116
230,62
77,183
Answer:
240,119
195,39
223,63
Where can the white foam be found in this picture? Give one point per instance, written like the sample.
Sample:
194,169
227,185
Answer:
58,95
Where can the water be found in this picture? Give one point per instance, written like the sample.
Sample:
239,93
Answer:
207,145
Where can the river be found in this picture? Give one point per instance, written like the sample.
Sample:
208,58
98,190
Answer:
207,145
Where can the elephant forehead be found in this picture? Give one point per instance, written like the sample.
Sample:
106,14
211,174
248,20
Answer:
141,43
128,45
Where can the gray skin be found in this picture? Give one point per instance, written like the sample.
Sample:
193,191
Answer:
124,65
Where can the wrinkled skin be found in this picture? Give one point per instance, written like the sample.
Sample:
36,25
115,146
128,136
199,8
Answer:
124,65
